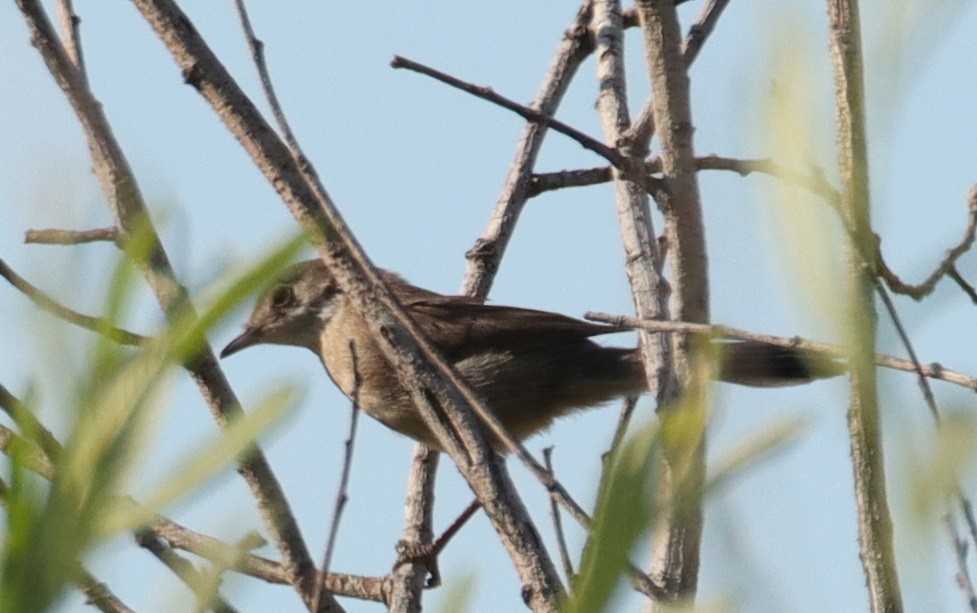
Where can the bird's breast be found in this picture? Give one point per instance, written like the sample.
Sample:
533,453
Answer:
357,366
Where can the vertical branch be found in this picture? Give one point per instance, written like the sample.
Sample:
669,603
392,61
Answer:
874,522
676,559
407,580
643,261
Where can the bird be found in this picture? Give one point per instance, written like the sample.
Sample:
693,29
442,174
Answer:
529,366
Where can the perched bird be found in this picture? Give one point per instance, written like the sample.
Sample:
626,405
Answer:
528,366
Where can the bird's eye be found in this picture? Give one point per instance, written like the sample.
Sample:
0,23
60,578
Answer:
282,297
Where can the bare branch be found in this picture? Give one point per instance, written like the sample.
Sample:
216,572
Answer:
71,35
675,563
561,538
407,580
436,390
649,291
51,236
529,114
429,554
127,205
874,522
341,495
812,181
484,257
644,126
946,267
207,547
99,594
960,555
704,24
258,57
932,370
967,288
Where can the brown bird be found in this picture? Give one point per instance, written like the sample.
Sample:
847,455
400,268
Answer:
529,366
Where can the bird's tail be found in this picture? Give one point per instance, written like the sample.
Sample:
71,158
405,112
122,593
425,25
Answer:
749,363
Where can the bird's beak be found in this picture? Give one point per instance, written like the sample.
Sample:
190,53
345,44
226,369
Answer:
251,336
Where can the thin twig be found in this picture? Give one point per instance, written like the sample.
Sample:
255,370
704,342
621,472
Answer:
561,539
704,24
410,552
967,288
45,302
812,181
643,259
342,497
486,255
644,126
677,544
932,370
960,555
930,398
968,513
407,581
54,236
99,594
924,385
456,525
623,421
529,114
258,57
946,267
217,551
71,35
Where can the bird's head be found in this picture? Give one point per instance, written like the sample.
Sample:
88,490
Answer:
292,311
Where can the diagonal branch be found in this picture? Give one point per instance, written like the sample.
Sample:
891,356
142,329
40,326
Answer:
435,389
529,114
127,205
258,57
485,256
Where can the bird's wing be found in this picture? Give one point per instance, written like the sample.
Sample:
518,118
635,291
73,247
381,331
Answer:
460,326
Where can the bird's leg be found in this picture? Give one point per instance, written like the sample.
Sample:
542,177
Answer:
428,553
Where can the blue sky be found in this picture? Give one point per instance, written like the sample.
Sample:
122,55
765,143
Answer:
415,168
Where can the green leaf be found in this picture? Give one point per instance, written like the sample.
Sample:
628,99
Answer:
625,508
